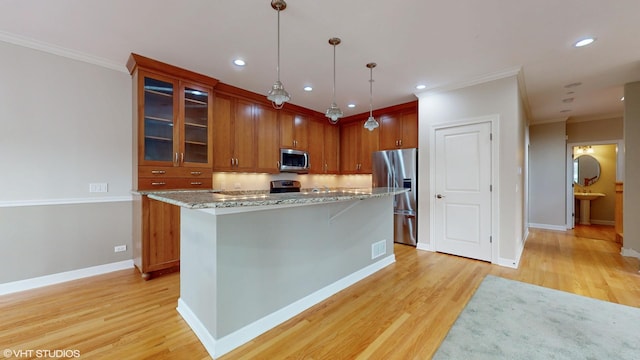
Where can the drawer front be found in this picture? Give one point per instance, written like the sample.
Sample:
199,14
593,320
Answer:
169,172
174,183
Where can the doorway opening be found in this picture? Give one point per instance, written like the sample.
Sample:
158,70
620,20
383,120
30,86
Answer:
592,171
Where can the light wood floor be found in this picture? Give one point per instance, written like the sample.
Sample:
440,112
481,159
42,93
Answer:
401,312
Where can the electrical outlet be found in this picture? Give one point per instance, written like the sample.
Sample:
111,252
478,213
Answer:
120,248
98,187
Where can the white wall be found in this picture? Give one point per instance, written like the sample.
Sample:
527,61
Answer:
499,97
631,241
547,176
64,124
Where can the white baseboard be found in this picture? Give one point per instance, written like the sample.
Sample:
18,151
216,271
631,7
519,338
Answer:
629,253
33,283
548,227
603,222
425,247
221,346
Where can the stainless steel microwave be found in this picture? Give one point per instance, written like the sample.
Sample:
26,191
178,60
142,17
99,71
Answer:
296,161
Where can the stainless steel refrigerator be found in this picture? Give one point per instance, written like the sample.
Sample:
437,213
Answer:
399,169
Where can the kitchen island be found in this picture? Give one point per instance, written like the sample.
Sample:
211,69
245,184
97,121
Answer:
252,261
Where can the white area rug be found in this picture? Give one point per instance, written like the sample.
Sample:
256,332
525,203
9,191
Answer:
507,319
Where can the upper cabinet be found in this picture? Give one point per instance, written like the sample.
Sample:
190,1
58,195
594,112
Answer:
246,133
356,146
294,131
173,115
323,147
399,130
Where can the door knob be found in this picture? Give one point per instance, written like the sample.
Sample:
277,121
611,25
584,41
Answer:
439,196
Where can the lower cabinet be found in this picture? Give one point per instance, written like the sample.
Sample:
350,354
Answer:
156,236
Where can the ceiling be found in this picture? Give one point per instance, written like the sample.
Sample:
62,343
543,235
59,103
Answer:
440,44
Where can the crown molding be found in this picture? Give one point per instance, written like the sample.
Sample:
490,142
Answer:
549,121
579,119
515,71
60,51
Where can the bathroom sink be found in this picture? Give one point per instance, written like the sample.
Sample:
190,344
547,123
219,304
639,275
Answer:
585,205
588,196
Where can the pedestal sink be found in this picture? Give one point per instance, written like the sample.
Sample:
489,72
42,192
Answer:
585,205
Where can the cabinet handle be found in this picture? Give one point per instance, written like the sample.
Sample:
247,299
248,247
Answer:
278,164
159,183
175,161
196,173
158,172
400,141
181,158
196,183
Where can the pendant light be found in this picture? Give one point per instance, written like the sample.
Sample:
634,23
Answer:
371,122
278,95
333,112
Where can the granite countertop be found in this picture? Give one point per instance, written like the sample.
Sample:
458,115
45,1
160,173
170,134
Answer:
202,199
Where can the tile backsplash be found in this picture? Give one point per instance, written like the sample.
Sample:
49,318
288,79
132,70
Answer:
250,181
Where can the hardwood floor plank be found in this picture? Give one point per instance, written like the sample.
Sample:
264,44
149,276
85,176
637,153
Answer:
401,312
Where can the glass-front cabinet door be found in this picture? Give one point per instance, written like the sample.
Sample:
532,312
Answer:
177,119
197,116
160,117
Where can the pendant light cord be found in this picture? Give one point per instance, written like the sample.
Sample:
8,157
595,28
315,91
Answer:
278,64
370,91
334,73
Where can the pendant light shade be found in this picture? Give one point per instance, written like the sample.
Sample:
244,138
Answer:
333,112
278,95
371,122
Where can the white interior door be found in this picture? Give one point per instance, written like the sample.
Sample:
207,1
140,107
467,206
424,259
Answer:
463,190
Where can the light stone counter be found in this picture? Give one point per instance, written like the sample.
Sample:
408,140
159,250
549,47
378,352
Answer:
200,199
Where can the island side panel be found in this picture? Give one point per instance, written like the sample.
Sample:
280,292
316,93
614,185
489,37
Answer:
198,268
269,259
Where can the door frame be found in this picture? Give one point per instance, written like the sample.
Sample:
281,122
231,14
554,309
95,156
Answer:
570,202
494,120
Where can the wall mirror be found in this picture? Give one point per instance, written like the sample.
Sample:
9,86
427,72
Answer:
586,170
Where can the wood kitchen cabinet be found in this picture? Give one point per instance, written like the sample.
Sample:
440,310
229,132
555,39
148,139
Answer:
267,136
246,134
398,130
294,131
331,149
172,136
356,146
172,126
323,147
158,246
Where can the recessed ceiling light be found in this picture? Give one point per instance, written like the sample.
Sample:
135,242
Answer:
351,105
567,100
307,88
421,87
565,110
622,98
584,42
239,62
